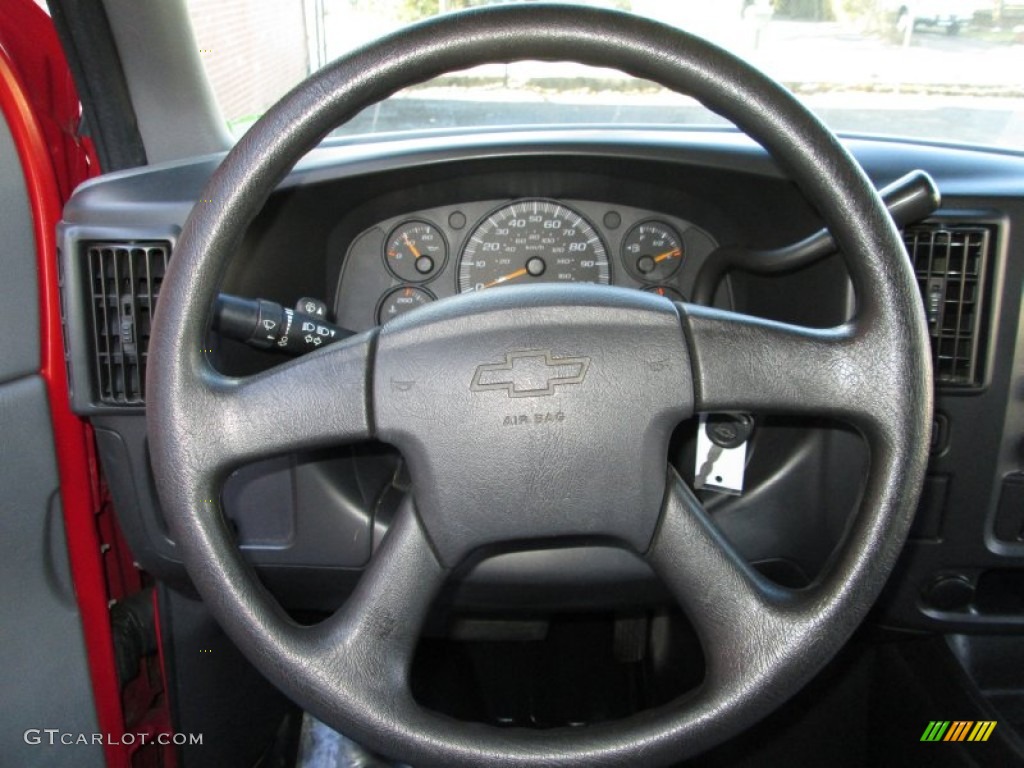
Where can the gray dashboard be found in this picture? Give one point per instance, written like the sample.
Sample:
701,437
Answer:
310,521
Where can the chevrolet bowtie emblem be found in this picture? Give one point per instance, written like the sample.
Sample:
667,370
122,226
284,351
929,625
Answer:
531,373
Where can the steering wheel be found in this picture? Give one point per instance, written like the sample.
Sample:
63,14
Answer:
623,367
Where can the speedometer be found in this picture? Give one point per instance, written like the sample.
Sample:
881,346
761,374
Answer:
532,241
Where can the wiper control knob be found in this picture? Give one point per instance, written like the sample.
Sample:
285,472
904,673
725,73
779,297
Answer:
268,325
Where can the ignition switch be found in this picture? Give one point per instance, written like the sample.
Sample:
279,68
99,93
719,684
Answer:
729,430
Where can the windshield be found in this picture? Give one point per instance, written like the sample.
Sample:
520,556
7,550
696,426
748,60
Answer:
946,71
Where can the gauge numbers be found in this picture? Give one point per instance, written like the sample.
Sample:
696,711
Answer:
415,251
400,300
532,241
652,251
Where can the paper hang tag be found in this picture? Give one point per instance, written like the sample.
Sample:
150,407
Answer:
717,468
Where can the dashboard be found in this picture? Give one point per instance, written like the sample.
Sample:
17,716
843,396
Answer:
376,229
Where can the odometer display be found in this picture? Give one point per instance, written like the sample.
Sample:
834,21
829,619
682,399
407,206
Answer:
532,241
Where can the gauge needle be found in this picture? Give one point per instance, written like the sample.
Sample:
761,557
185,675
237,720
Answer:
411,244
674,253
505,278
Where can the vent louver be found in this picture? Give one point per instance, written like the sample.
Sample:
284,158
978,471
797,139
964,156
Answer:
951,263
125,281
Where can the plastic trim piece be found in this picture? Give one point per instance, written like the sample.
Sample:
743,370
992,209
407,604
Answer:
170,96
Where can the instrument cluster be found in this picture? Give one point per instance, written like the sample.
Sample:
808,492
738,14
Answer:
399,264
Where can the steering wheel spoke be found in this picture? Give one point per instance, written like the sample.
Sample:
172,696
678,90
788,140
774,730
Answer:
314,401
746,363
737,612
371,639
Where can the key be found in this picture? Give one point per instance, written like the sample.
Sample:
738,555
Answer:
722,452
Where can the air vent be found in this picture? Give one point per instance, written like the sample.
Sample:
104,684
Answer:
125,281
951,263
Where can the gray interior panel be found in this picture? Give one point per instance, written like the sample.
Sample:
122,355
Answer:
19,311
43,668
171,126
44,675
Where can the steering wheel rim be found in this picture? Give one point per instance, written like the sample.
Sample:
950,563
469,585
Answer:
762,643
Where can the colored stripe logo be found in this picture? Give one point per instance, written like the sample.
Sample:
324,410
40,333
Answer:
958,730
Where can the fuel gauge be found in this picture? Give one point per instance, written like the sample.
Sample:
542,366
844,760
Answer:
652,251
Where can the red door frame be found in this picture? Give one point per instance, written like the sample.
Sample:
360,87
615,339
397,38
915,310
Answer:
41,107
71,442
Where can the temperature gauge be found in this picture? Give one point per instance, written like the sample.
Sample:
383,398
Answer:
415,251
402,300
652,251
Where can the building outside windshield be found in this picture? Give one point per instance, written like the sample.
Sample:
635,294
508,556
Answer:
949,71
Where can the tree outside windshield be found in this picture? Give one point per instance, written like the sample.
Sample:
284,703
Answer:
948,70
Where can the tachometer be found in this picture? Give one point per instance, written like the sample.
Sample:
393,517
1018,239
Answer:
532,241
